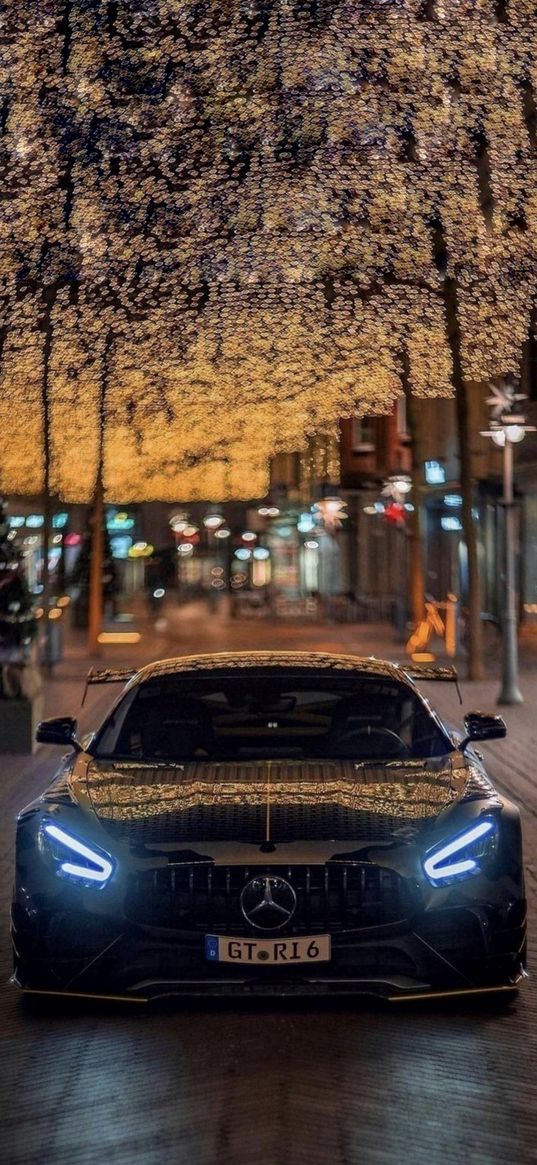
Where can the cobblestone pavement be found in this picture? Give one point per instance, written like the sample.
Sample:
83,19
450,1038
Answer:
279,1083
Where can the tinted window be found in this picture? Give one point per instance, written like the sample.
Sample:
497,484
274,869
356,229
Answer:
214,718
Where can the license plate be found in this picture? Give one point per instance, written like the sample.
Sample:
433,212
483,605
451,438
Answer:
312,948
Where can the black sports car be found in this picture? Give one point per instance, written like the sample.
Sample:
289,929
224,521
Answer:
270,823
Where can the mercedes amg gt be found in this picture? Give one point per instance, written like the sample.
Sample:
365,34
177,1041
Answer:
270,823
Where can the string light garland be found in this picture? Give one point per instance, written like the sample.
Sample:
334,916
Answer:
218,226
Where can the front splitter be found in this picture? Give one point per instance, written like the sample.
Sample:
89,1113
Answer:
390,992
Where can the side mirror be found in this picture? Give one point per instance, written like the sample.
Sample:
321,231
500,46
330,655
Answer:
483,726
59,730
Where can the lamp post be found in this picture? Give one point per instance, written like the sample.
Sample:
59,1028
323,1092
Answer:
506,430
400,513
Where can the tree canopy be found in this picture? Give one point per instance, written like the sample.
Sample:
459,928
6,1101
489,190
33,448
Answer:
220,220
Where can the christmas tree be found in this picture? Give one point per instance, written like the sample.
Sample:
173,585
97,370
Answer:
18,624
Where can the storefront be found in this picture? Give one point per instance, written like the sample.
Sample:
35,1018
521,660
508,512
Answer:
69,526
26,532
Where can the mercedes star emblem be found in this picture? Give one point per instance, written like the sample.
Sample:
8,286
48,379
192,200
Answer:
268,902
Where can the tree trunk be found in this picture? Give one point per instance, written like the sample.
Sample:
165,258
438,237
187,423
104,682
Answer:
474,627
46,658
95,596
49,298
416,573
95,593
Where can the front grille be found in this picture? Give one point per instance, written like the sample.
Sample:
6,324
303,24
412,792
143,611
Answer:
205,897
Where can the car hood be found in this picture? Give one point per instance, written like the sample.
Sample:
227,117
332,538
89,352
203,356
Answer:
276,801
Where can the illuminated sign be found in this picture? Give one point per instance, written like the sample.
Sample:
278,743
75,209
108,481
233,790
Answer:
120,545
435,473
119,521
306,523
141,550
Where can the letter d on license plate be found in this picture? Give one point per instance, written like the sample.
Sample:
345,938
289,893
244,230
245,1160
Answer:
313,948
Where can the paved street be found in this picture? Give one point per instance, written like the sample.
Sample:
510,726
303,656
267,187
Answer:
273,1082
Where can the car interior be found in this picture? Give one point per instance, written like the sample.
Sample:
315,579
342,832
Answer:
379,720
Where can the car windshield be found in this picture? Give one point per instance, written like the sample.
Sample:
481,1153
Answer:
178,718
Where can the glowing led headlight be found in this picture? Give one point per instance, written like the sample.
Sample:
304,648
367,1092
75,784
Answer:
458,858
96,866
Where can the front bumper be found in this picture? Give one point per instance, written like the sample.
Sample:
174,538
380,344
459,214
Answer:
455,951
118,941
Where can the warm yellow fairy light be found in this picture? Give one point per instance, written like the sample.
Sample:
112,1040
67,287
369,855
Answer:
218,228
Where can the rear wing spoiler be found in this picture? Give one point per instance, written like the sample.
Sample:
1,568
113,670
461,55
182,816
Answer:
427,671
108,675
121,675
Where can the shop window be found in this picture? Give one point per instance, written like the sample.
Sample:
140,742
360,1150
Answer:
363,435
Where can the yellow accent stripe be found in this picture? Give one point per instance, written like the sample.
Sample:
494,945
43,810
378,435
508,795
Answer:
453,994
267,825
86,995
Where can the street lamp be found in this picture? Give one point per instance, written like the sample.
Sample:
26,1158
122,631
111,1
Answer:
397,486
506,430
331,511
